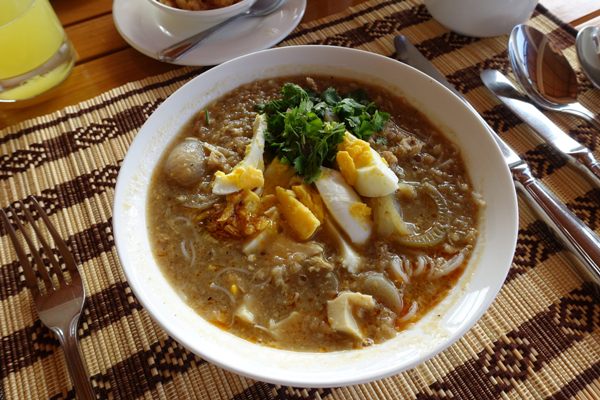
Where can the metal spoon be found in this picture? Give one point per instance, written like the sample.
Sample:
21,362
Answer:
260,8
545,74
588,52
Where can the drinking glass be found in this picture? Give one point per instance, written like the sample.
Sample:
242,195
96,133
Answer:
35,53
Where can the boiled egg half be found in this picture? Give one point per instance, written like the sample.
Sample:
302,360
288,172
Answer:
248,173
364,169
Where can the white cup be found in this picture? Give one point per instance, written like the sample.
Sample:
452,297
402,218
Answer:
481,18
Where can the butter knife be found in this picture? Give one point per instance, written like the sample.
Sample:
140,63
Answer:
580,239
578,155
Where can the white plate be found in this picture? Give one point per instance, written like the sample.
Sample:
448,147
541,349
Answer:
443,325
136,22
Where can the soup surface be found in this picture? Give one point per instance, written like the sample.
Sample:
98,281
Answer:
198,5
271,248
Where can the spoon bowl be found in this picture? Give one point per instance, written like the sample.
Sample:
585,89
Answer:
588,53
545,74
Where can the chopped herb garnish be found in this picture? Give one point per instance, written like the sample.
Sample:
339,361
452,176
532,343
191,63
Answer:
381,140
207,117
305,128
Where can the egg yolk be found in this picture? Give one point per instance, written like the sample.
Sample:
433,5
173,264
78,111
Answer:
311,199
361,212
299,217
242,177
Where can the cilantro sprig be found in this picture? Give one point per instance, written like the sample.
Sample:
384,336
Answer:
305,128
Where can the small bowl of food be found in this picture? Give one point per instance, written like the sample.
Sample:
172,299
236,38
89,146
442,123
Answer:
315,216
182,18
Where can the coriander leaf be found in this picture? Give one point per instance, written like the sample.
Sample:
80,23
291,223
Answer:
360,96
379,119
330,96
348,107
293,94
381,140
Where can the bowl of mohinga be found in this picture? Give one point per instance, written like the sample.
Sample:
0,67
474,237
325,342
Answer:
314,216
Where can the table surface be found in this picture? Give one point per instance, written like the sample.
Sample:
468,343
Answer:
107,61
540,338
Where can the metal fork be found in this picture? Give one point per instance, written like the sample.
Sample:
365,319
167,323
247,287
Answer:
60,303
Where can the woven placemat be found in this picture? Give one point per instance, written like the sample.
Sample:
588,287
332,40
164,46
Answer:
539,339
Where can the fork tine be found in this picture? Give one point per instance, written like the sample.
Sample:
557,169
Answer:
41,268
46,248
60,243
30,278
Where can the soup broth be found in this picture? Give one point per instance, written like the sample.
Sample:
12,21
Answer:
248,261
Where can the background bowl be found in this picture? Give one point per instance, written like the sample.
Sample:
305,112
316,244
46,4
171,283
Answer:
183,23
443,325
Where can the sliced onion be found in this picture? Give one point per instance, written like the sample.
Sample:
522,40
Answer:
387,215
198,201
437,232
220,151
382,289
230,269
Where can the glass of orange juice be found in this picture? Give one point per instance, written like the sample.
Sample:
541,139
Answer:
35,53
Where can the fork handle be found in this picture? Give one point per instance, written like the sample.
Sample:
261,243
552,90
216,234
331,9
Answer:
75,364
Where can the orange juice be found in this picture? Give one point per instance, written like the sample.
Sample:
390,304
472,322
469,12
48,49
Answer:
34,52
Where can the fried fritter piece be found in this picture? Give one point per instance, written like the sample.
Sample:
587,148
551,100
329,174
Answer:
241,216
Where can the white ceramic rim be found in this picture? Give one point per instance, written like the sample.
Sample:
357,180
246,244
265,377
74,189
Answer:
136,23
467,302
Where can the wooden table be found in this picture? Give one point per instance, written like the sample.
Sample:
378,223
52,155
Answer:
107,61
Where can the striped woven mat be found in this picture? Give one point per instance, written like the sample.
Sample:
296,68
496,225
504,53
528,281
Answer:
539,339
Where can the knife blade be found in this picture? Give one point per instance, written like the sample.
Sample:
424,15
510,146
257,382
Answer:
576,236
577,154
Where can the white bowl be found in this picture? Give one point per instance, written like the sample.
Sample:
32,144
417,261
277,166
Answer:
443,325
183,23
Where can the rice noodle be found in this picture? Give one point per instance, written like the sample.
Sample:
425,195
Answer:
263,283
184,251
184,220
230,269
406,266
224,291
396,267
449,265
221,151
262,328
412,311
335,280
198,201
421,264
201,206
186,254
